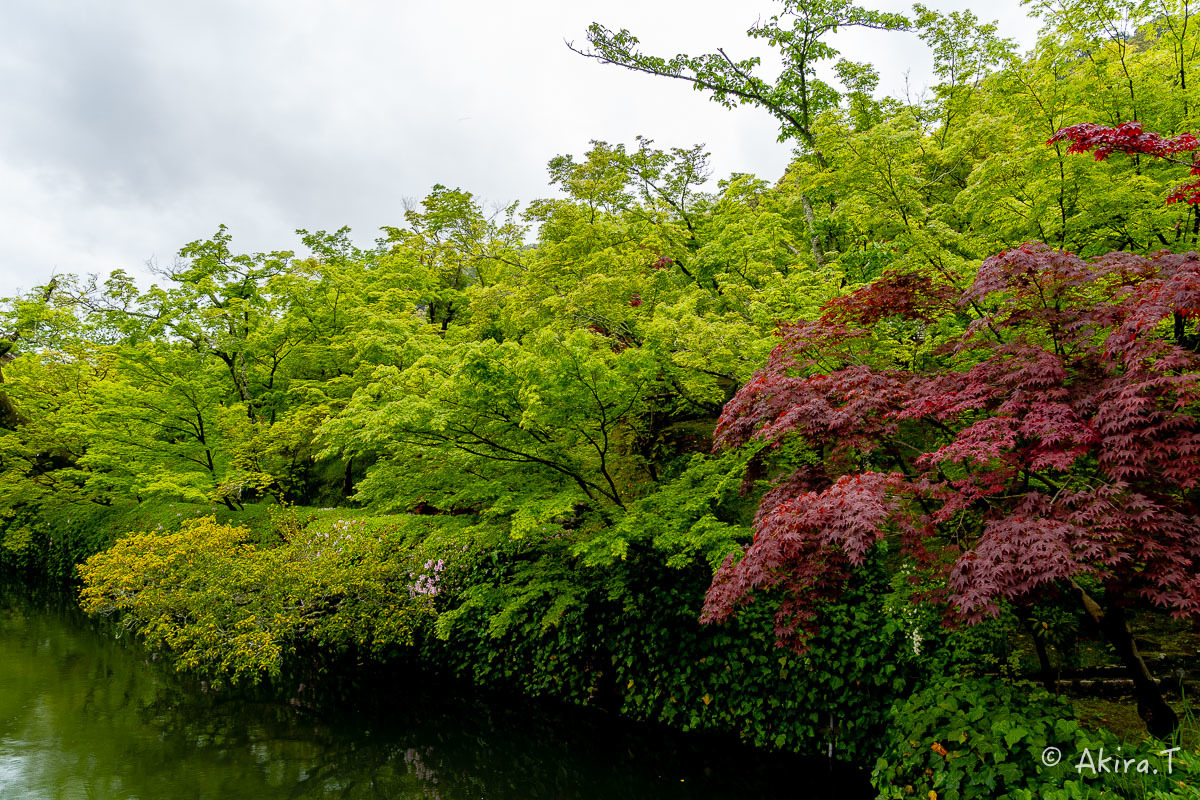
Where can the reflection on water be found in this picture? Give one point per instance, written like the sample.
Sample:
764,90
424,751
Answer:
83,716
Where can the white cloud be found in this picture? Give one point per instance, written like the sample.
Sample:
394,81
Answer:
133,127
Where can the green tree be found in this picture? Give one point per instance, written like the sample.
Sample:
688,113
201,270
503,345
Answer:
800,34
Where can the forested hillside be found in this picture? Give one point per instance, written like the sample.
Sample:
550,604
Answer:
942,374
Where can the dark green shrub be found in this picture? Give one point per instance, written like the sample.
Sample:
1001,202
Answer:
960,739
630,640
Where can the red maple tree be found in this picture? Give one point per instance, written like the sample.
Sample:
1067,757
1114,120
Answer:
1129,137
1055,437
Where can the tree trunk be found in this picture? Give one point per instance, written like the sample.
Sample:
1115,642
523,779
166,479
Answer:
1160,718
815,239
1046,670
10,418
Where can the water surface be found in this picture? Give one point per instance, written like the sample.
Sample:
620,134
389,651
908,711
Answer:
85,716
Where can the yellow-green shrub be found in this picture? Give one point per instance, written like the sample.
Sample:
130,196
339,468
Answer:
227,608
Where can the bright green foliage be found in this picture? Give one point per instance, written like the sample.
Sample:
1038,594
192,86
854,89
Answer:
943,182
692,517
156,430
582,332
224,607
556,377
559,375
551,412
54,391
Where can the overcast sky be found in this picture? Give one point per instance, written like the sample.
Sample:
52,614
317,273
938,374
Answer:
129,128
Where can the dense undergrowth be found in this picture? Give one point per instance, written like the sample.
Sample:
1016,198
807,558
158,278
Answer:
290,596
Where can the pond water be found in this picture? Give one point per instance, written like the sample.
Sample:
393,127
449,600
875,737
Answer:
85,716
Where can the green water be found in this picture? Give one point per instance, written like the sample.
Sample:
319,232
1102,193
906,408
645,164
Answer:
84,716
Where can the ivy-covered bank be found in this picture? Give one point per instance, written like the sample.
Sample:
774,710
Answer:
291,595
272,593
